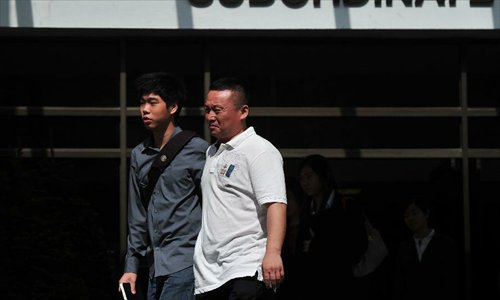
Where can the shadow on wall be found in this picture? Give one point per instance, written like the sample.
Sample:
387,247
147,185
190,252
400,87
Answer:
23,10
184,14
496,14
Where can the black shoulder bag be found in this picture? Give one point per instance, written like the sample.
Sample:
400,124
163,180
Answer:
162,160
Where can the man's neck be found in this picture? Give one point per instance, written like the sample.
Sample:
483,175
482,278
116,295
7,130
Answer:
162,136
421,233
236,133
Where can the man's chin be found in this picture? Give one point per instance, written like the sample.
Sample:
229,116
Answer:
215,133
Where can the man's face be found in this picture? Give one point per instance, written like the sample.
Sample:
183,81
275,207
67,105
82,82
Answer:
415,218
155,113
224,119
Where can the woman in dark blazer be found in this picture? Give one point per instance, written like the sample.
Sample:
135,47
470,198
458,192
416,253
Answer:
332,232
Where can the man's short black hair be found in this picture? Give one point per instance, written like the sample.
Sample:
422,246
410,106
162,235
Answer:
233,84
170,88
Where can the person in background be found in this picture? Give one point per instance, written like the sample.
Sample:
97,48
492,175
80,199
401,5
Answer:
333,235
290,250
426,264
238,250
166,230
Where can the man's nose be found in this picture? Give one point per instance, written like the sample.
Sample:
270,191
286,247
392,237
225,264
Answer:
210,115
145,109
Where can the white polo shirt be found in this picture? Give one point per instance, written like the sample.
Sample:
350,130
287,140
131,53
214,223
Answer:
238,179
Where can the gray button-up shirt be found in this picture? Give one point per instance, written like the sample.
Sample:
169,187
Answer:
167,231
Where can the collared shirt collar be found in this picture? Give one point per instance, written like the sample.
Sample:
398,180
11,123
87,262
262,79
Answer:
425,238
149,142
238,139
328,204
421,244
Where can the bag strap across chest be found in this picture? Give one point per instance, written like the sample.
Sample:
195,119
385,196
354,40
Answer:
162,160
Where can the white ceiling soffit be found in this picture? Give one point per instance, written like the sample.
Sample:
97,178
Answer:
251,14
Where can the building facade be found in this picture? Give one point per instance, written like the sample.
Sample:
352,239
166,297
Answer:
402,97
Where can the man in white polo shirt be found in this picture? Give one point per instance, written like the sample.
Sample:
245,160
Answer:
238,250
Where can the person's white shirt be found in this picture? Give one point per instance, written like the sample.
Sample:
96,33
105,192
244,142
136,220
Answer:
422,243
239,177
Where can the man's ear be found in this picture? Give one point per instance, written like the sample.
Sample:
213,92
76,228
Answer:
244,111
173,108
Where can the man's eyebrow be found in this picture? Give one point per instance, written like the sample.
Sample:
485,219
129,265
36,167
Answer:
149,98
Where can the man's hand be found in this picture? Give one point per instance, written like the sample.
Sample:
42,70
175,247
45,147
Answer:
130,278
272,270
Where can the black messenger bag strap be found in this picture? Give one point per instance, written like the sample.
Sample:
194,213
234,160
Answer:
162,160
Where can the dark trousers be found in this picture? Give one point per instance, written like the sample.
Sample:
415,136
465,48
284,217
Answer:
244,288
176,286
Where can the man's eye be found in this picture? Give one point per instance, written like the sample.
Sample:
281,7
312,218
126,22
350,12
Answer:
216,110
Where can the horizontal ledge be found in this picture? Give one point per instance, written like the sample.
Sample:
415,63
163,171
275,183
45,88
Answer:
60,111
262,111
374,153
355,111
286,152
64,152
484,112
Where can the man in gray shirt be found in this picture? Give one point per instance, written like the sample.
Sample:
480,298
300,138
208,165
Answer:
165,232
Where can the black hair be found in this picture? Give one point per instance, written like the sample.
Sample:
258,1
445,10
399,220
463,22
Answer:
319,164
421,201
170,88
233,84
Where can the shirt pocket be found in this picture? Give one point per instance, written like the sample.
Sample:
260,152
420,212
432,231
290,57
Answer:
229,170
